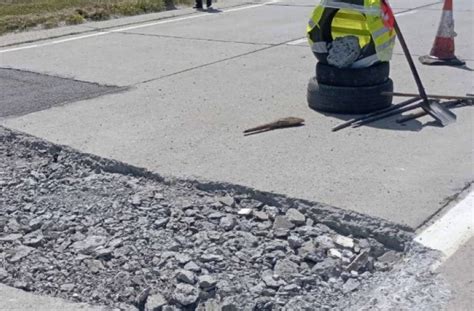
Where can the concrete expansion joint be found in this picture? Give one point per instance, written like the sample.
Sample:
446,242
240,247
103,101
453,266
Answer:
448,202
264,48
193,39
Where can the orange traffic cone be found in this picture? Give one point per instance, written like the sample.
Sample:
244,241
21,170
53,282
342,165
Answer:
442,52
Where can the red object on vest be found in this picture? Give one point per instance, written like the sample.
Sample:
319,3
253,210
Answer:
387,15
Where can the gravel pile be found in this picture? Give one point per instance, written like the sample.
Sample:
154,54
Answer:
70,229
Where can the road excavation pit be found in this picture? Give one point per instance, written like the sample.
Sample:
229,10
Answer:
94,230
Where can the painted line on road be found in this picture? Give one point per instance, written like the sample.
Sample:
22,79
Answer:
304,40
299,41
167,21
452,230
406,13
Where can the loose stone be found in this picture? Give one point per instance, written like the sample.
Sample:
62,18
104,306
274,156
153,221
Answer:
185,294
282,222
295,217
227,200
334,253
228,223
272,280
12,237
245,211
211,257
286,269
19,253
192,266
350,286
261,216
359,261
186,276
295,241
344,241
206,282
155,302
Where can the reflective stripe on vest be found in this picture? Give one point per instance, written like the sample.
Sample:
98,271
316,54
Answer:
365,62
366,8
383,37
377,34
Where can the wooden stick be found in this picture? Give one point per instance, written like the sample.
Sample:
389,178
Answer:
429,96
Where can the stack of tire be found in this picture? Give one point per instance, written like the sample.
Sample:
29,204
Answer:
350,90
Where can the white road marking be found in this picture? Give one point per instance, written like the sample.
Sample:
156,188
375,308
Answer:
299,41
166,21
452,230
406,13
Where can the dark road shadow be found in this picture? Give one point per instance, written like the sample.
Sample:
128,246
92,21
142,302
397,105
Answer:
213,10
271,130
389,123
465,67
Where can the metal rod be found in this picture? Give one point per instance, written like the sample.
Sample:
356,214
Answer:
399,94
439,113
388,114
422,113
419,84
393,107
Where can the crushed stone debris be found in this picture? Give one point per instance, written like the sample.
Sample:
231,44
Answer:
71,229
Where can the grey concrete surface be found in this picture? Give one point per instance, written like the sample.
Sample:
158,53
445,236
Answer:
459,271
126,60
276,24
12,299
193,97
26,92
89,27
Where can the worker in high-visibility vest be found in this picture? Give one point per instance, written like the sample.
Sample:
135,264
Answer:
371,21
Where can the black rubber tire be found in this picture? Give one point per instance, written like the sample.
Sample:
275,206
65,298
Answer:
348,100
351,77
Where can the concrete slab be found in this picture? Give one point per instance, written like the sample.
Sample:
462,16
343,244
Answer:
459,271
120,59
276,24
180,126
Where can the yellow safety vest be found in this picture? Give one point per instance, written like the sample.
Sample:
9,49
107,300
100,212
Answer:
360,18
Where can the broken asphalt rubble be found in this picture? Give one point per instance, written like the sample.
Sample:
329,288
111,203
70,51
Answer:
69,227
